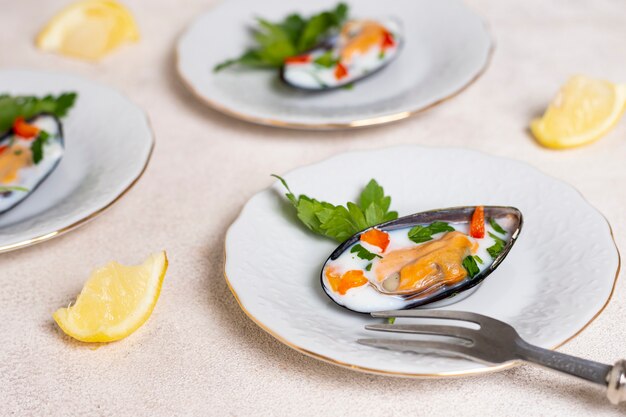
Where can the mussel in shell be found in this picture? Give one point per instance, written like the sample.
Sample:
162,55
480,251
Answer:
362,48
419,259
27,157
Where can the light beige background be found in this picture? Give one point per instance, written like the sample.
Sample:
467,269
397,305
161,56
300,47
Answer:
199,354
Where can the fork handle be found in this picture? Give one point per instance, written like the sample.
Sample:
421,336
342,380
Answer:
581,368
612,377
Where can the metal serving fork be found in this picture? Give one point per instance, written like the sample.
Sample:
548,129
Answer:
494,343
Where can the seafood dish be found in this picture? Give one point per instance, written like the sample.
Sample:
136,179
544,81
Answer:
32,145
421,258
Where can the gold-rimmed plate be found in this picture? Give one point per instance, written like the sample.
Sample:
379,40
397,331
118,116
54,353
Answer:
446,47
108,143
559,276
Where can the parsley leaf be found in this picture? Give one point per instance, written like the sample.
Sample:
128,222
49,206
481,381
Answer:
421,234
440,227
368,267
391,320
375,204
275,43
469,263
37,146
294,35
497,247
11,107
293,25
496,226
339,222
363,253
326,60
319,25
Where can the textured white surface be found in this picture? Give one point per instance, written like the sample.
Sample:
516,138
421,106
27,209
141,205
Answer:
445,47
199,354
557,277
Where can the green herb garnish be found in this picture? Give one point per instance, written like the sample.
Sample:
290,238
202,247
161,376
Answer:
6,189
469,263
326,60
277,41
391,320
29,106
368,267
478,259
363,253
497,247
495,226
339,222
420,234
37,146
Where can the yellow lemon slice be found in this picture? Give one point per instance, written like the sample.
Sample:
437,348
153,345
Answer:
89,29
582,112
115,301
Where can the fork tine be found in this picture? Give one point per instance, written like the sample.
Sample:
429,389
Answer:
435,314
419,346
451,331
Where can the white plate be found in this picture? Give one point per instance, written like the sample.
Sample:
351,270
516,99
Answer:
558,277
108,142
446,47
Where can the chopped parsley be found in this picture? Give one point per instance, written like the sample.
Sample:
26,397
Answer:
497,248
420,234
368,267
37,146
495,226
391,320
8,189
469,263
326,60
363,253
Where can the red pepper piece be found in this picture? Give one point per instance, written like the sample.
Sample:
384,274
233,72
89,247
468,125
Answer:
23,129
351,279
377,238
299,59
388,41
341,71
477,226
3,148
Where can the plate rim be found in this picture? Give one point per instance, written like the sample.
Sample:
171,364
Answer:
86,218
357,123
487,369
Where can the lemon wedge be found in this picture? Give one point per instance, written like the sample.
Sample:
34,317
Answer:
583,111
89,29
115,301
